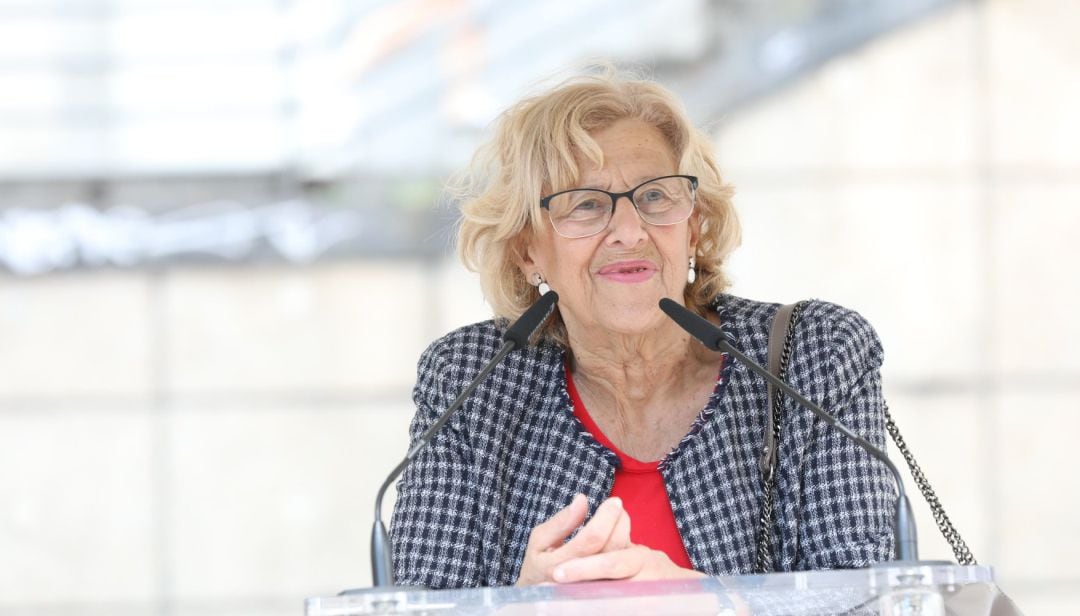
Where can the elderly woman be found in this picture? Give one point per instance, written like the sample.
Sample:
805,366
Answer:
616,446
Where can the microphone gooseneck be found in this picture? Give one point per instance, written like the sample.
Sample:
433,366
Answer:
516,336
906,544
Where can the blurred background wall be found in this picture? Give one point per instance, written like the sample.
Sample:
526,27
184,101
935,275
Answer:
221,254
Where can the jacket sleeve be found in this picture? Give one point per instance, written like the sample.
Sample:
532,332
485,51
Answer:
848,496
434,529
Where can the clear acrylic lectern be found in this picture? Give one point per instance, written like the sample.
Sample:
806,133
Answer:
892,590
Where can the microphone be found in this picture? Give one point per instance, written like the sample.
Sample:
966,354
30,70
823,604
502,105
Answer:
517,335
904,534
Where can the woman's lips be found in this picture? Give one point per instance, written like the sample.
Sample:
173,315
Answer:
628,271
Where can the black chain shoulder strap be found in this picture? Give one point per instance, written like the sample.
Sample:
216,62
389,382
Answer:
768,477
944,524
771,449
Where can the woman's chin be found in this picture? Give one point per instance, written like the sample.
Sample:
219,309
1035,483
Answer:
628,310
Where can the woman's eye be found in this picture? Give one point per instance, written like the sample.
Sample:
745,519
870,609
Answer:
652,196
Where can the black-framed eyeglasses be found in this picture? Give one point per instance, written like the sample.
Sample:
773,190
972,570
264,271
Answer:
581,212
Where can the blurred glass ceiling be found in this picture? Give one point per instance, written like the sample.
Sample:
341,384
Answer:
100,89
143,131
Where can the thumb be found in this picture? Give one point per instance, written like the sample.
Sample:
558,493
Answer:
620,537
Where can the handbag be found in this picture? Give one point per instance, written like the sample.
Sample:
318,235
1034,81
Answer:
781,337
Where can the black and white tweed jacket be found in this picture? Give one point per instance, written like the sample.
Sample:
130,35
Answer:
514,454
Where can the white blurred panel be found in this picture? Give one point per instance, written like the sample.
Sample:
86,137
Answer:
1045,599
55,330
1037,293
336,328
250,141
1038,488
1033,81
104,89
313,20
30,90
196,88
215,33
76,522
37,38
277,502
904,253
459,299
39,149
904,104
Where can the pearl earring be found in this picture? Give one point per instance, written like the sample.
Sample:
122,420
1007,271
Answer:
541,286
691,274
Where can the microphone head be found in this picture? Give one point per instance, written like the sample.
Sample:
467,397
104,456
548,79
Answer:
527,324
707,333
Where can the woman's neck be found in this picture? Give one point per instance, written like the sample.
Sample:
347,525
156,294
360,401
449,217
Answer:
631,374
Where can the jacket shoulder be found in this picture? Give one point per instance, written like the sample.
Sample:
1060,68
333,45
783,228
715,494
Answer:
477,341
466,349
847,334
451,361
743,314
823,326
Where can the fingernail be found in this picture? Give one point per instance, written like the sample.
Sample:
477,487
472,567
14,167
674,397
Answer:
617,501
559,574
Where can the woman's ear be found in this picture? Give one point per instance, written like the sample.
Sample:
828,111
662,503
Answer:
692,236
522,255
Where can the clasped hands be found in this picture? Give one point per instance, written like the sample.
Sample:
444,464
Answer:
602,550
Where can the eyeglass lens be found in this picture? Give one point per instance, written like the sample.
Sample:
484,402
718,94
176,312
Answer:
583,212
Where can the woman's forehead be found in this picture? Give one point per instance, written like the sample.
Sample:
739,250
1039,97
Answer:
626,172
626,150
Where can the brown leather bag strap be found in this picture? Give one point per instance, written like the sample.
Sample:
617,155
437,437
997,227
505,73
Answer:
781,340
777,334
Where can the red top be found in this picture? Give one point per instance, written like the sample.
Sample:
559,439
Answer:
641,488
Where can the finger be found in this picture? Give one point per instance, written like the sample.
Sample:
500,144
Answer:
616,565
553,532
595,534
620,537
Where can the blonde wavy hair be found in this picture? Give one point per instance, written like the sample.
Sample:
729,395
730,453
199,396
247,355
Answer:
534,152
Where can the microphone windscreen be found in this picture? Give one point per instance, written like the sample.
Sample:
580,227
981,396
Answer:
530,321
696,326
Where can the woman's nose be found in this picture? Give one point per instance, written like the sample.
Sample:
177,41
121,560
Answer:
626,225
